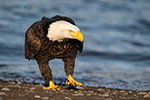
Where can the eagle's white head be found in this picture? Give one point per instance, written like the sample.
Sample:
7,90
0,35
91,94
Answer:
61,30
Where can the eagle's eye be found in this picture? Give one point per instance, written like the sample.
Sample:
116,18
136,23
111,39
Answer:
70,31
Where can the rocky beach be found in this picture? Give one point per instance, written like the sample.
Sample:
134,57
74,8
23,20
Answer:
30,91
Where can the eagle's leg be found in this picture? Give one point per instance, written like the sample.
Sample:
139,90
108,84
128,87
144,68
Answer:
47,75
69,68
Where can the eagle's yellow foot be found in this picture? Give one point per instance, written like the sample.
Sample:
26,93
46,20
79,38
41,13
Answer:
70,80
51,86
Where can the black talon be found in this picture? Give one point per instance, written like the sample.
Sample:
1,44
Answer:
75,84
67,80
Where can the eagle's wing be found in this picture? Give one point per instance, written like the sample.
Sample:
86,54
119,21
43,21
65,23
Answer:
32,44
78,44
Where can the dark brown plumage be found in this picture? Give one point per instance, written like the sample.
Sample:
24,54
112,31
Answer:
40,48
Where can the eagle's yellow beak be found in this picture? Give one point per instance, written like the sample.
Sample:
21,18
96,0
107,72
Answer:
78,35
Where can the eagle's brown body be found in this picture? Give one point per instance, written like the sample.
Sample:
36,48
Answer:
39,47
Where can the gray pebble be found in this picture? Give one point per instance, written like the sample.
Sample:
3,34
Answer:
137,90
122,91
147,95
37,96
130,92
89,94
26,90
19,82
125,94
67,98
5,89
115,92
45,98
108,99
122,97
103,95
142,93
14,85
12,82
2,93
78,94
79,87
94,93
90,91
32,88
135,95
99,89
80,91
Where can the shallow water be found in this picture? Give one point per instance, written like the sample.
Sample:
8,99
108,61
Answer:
116,41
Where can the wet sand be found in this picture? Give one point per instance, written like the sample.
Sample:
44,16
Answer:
30,91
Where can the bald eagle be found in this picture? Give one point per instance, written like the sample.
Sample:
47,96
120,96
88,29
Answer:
56,37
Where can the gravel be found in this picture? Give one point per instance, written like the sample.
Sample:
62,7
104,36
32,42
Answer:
30,91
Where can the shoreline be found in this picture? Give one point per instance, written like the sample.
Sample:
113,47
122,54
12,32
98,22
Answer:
31,91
